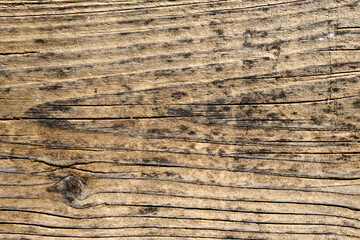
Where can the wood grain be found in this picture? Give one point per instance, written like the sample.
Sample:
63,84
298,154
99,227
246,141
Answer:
206,119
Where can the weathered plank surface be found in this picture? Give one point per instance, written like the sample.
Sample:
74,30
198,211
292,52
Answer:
206,119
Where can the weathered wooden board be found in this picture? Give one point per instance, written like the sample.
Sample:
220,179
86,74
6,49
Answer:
206,119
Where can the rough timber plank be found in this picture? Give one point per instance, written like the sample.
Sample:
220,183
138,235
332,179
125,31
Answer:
206,119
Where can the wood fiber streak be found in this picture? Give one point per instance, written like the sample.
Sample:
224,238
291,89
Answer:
206,119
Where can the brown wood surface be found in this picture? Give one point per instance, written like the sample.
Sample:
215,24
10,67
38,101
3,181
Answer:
206,119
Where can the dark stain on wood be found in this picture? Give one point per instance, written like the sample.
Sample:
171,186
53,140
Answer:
179,119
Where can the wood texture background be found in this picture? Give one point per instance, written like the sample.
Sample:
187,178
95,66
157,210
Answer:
206,119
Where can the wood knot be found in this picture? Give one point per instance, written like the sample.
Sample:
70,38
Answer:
71,188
